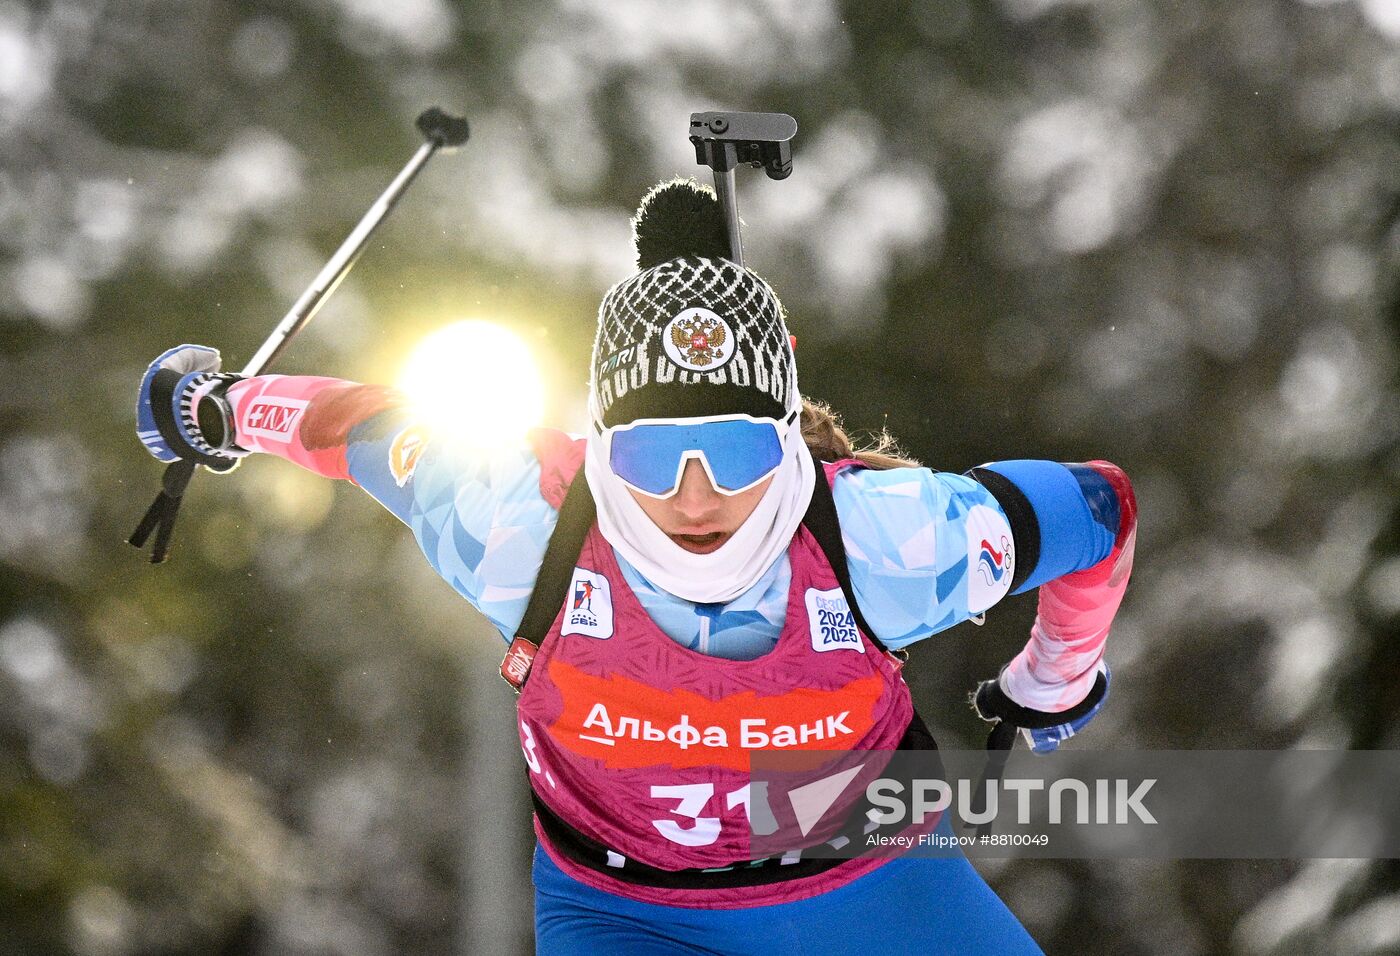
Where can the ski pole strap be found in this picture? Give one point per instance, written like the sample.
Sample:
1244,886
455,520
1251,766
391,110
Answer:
163,404
160,516
999,744
992,704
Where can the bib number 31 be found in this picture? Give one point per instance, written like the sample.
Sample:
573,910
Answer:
691,799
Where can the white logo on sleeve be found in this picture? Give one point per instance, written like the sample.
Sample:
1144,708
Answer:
990,561
589,608
273,418
831,621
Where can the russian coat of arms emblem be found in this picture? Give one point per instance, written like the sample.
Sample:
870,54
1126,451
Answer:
699,339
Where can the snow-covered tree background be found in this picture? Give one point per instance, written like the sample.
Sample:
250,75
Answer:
1159,233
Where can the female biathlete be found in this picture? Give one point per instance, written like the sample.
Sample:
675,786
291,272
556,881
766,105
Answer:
711,572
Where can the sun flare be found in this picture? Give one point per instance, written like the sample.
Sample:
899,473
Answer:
475,382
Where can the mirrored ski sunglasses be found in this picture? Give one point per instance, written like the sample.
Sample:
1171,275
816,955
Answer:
736,451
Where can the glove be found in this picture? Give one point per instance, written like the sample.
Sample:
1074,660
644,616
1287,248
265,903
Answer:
1044,731
181,411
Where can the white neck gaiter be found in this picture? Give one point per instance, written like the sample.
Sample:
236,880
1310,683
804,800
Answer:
733,568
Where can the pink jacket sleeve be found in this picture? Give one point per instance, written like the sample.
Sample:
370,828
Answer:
305,419
1057,667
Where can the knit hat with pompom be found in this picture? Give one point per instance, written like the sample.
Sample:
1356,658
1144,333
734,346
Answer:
692,333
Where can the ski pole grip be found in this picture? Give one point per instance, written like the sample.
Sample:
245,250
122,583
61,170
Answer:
443,129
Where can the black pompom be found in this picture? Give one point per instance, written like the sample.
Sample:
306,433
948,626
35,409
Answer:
679,218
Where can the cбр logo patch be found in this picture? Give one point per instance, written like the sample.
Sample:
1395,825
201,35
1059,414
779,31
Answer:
588,610
832,624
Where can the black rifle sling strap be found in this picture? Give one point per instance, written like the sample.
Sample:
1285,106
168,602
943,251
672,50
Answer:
822,521
576,517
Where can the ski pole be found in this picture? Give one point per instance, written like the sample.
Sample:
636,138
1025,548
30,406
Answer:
440,131
724,140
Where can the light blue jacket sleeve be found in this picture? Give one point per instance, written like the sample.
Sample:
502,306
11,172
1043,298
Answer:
479,517
926,549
